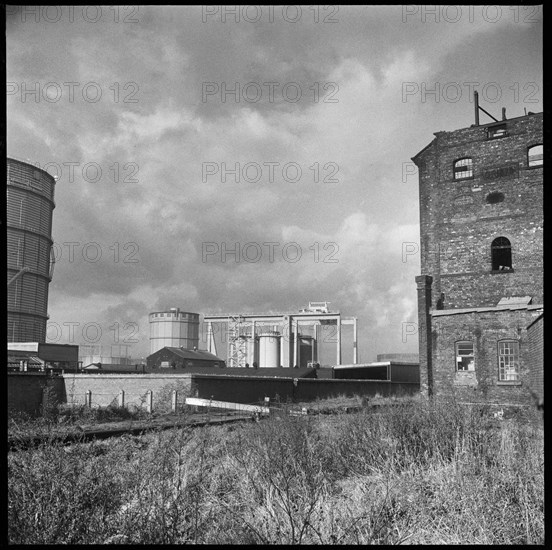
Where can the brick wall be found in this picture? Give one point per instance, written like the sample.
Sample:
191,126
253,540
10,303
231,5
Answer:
253,390
535,356
485,330
105,388
26,391
458,225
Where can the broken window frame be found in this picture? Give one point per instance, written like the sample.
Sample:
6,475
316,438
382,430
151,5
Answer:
497,131
535,160
460,348
501,255
459,169
508,360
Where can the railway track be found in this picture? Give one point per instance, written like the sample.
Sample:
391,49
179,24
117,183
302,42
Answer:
84,433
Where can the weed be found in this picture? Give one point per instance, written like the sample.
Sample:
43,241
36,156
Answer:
411,470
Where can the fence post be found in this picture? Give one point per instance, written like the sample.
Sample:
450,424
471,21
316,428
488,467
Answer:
174,400
122,398
149,401
88,399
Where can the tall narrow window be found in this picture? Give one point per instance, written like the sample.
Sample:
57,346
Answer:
465,360
501,254
508,360
463,169
535,156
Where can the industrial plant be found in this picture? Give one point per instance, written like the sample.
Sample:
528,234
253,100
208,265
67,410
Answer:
480,310
272,340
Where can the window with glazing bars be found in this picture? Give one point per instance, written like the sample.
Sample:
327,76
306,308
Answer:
508,360
463,169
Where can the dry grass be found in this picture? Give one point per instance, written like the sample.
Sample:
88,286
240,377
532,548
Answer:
418,473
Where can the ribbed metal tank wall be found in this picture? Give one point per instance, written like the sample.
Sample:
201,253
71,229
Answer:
269,349
30,205
174,329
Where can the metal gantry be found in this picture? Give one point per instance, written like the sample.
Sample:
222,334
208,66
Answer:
240,325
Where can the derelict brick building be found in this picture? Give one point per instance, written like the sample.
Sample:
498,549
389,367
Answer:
481,243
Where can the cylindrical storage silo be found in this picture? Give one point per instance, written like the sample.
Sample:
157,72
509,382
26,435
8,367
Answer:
269,349
251,350
174,328
307,350
30,205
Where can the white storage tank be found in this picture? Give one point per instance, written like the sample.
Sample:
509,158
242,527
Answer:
269,349
251,347
307,350
174,329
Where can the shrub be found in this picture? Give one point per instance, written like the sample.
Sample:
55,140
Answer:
421,472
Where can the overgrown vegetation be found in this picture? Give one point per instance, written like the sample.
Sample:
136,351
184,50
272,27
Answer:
415,472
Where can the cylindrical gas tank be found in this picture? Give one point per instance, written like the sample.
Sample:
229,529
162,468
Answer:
252,353
269,349
30,204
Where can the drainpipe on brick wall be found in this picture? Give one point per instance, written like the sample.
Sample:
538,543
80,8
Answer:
424,283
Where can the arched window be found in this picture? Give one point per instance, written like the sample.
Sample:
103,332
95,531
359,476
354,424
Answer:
463,169
535,156
501,254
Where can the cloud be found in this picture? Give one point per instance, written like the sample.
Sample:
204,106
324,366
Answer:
153,135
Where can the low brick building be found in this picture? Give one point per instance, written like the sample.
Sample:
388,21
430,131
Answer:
481,243
181,358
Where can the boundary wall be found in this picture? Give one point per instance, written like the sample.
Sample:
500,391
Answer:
26,391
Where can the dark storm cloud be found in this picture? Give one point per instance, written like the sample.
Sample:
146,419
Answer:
154,131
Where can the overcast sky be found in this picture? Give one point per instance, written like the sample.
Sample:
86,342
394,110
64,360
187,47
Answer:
136,110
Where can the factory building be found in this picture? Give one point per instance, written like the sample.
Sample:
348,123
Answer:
171,358
173,328
30,205
273,340
117,354
39,356
481,242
